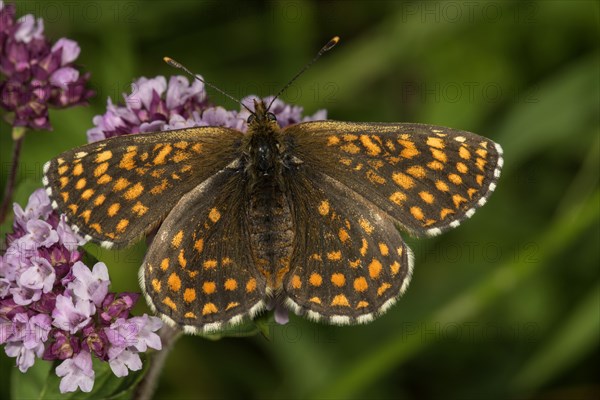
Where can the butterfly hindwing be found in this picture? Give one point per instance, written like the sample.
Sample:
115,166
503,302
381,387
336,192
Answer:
349,263
427,178
199,273
115,190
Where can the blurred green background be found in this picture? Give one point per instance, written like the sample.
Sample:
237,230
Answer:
505,306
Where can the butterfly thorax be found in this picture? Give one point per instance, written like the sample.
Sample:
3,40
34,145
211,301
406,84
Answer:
270,221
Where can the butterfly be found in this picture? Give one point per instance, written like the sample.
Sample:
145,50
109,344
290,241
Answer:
309,215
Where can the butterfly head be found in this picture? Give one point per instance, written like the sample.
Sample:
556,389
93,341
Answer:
261,115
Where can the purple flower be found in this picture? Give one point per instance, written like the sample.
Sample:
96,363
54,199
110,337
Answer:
63,346
36,75
39,276
90,285
76,372
72,315
25,357
117,306
41,232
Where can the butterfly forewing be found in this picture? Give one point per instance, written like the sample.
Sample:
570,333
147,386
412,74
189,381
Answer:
115,190
199,273
349,262
427,178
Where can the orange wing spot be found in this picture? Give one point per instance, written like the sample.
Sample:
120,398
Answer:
231,305
442,186
395,268
403,180
400,250
417,213
464,153
199,245
316,257
128,160
340,300
338,279
181,144
164,264
156,285
324,208
429,222
435,165
354,264
192,274
481,153
366,225
174,282
87,194
384,249
427,197
158,172
180,156
457,199
65,196
158,189
373,177
445,211
393,160
372,148
98,201
375,269
104,156
296,282
456,179
113,209
189,295
209,308
230,284
177,238
134,191
362,304
104,179
343,235
439,155
122,225
483,144
96,227
358,167
185,168
64,181
169,303
390,145
364,248
73,208
78,169
162,154
214,215
471,192
209,287
86,215
381,289
332,140
315,300
139,209
181,259
417,171
346,161
350,148
120,184
190,314
63,169
397,197
435,142
348,137
334,255
315,279
251,285
481,163
80,184
197,148
409,150
360,284
462,168
479,179
375,164
110,235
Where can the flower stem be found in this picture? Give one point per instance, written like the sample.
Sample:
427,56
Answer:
18,135
147,386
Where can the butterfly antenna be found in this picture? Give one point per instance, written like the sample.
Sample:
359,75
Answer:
175,64
324,49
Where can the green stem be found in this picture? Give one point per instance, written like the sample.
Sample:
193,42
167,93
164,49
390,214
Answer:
147,386
18,135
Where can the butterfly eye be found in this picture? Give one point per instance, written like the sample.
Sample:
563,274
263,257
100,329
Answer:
251,118
271,117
